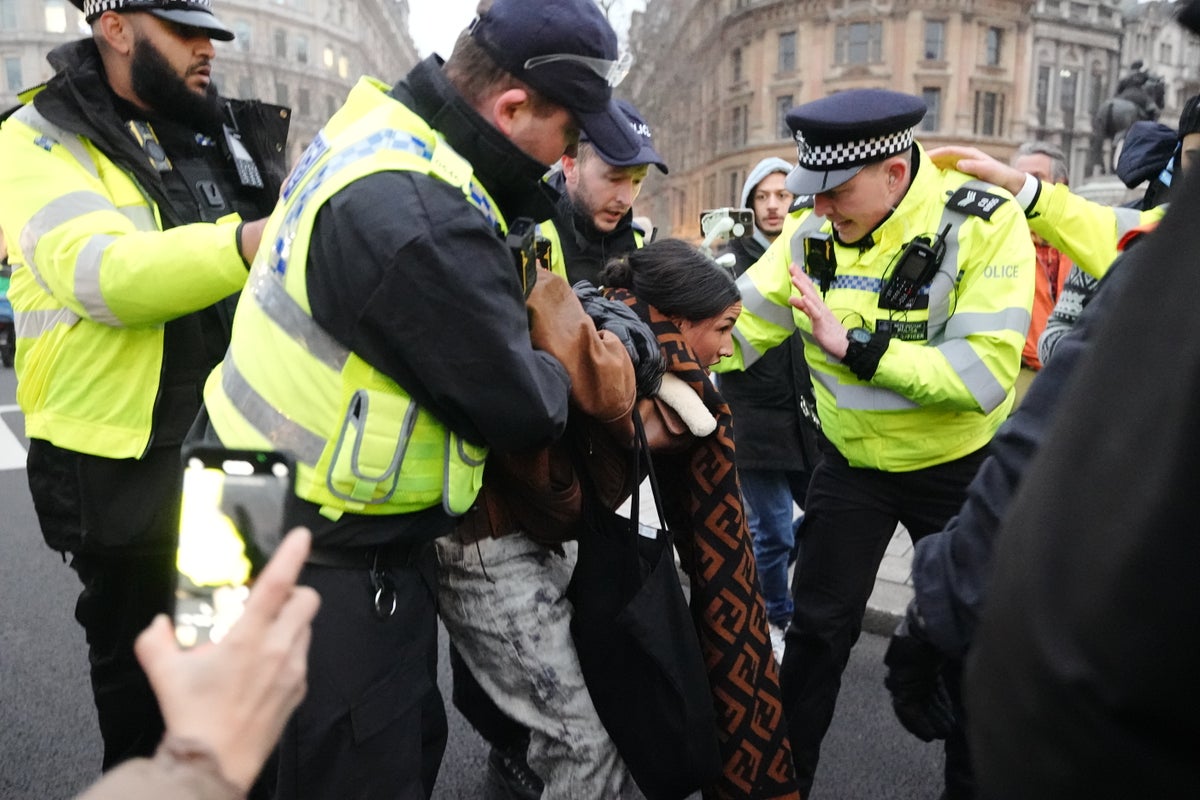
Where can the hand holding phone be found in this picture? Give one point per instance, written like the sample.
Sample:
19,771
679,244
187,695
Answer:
231,521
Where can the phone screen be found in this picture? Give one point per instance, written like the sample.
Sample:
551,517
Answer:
231,521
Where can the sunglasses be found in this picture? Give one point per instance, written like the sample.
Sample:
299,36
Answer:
613,72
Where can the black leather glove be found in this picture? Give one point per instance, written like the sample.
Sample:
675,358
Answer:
640,342
914,678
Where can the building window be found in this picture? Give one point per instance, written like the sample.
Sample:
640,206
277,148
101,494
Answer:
1043,93
343,67
737,127
281,94
280,43
989,113
56,16
735,186
241,35
787,52
330,105
935,40
783,104
933,104
710,191
1067,90
327,57
859,43
1096,89
735,65
1165,53
12,73
302,49
992,47
302,103
8,15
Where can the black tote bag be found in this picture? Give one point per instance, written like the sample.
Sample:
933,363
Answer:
638,647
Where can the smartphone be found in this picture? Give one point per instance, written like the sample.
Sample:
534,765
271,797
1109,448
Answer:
729,223
231,520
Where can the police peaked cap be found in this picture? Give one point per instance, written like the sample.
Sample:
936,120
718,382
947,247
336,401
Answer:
193,13
838,135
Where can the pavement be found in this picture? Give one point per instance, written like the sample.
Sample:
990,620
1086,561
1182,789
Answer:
893,582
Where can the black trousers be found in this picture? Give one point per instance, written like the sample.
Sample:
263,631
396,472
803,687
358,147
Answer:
372,725
121,596
119,519
848,522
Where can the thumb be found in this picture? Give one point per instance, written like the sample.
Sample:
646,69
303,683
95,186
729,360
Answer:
155,645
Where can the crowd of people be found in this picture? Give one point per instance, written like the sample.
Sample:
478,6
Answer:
448,316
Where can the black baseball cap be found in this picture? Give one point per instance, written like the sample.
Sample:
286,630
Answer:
193,13
567,51
646,154
838,135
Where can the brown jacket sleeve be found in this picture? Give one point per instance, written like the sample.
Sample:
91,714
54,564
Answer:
538,492
602,379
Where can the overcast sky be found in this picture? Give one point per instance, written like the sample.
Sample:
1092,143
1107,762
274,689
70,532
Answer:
435,24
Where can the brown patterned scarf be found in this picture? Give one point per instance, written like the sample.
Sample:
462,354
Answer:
703,506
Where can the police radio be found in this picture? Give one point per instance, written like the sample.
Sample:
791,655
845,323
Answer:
521,241
820,262
915,267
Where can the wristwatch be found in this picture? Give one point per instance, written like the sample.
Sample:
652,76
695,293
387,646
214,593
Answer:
863,351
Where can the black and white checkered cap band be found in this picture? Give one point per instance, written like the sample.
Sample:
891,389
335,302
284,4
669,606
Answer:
850,154
97,7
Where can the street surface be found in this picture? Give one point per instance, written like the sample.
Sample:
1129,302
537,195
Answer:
50,746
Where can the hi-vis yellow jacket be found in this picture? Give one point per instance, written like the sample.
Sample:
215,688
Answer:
558,259
95,279
945,382
1085,231
360,442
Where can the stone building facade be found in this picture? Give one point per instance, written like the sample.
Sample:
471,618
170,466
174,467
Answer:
716,77
305,54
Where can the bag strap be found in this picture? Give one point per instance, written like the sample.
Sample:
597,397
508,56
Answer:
642,448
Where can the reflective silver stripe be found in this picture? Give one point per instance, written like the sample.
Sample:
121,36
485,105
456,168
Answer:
87,280
74,145
1127,220
750,354
141,217
963,324
855,397
32,324
754,302
283,433
282,309
55,213
975,375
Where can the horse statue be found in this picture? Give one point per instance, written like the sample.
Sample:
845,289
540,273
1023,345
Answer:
1140,96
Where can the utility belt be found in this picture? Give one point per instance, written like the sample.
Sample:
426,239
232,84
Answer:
376,560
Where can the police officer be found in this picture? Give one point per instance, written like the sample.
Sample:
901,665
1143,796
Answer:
125,187
383,340
912,287
593,220
592,223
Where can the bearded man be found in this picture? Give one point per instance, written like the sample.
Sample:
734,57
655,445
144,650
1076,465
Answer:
124,198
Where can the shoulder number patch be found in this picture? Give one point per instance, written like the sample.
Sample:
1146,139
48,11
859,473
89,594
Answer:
976,202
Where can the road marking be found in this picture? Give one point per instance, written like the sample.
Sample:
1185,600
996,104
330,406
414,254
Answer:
12,453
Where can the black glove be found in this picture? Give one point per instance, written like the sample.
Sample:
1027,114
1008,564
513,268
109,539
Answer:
640,342
914,678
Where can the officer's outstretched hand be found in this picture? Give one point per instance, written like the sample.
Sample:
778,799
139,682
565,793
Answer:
914,678
974,161
827,329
